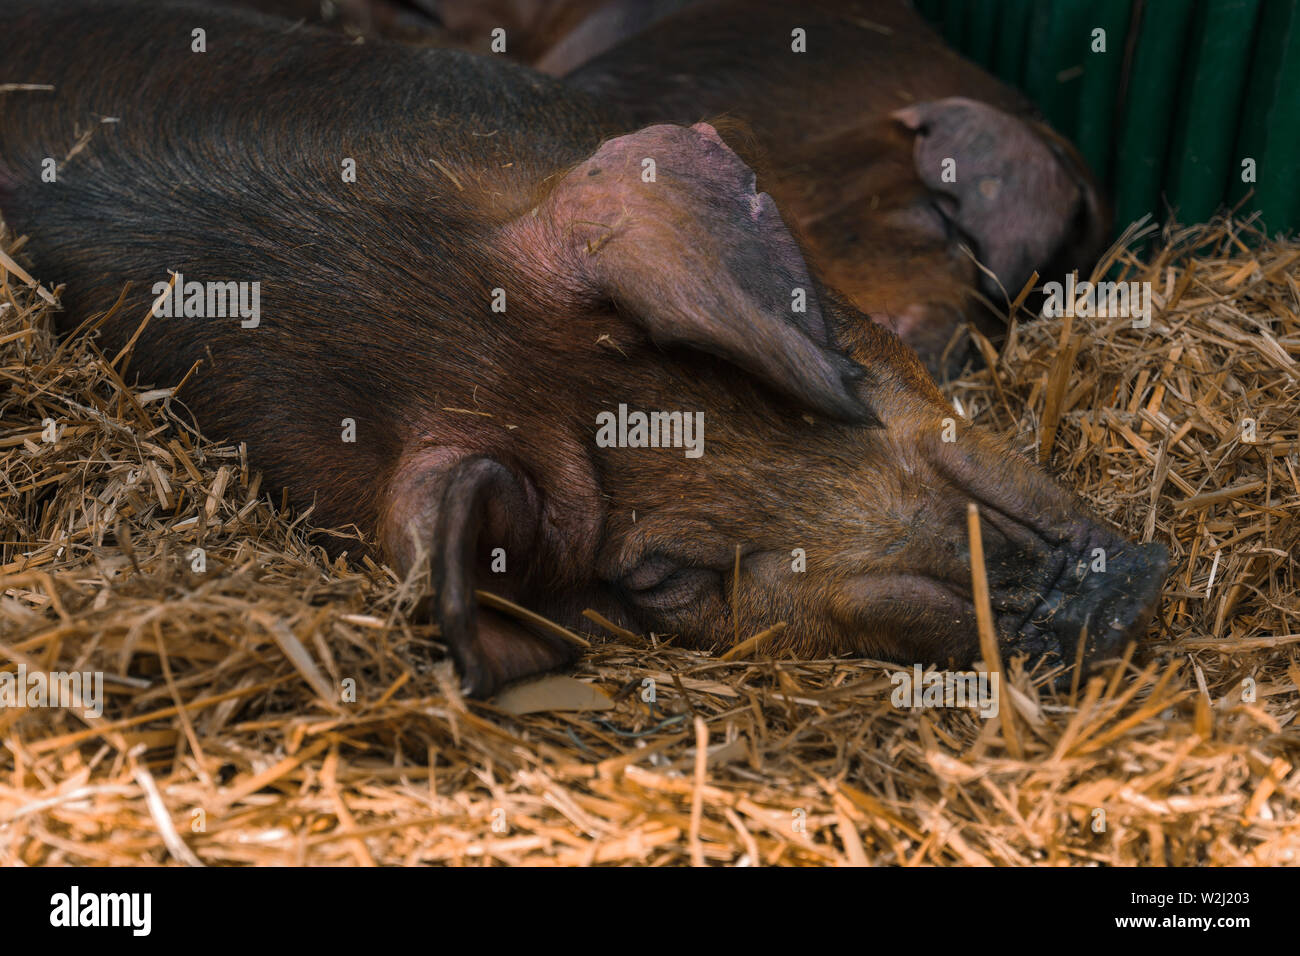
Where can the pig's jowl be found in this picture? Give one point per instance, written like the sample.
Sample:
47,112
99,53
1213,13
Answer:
479,182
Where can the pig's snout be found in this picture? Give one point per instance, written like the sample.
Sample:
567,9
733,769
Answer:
1056,573
1103,608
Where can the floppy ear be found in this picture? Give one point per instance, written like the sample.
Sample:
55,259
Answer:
666,224
1023,198
456,509
1086,241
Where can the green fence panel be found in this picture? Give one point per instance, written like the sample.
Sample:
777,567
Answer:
1270,122
1209,106
1148,111
1103,69
1185,91
955,16
1058,43
1009,46
981,29
932,10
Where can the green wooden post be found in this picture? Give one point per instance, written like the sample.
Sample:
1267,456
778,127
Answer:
1147,113
1210,107
1057,45
955,15
1099,91
932,10
1009,45
981,31
1270,122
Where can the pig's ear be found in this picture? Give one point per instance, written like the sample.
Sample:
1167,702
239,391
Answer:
1021,197
1086,241
666,224
455,510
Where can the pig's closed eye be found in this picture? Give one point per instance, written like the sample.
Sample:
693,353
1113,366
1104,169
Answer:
660,583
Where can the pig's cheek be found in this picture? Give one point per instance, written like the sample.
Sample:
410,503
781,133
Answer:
925,217
941,252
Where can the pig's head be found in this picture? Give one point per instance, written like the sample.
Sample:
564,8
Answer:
924,215
1015,190
923,189
828,458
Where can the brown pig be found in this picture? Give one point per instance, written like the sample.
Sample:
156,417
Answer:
523,30
433,294
900,163
405,20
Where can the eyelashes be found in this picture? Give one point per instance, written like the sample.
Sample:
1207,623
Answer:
683,587
661,584
650,573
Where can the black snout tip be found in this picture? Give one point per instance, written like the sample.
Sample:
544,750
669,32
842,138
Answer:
1129,601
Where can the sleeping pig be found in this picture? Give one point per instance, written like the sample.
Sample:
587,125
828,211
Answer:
887,150
923,188
437,298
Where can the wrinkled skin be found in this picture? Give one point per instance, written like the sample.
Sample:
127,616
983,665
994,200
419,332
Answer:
476,428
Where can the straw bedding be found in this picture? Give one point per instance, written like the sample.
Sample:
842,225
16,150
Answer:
278,708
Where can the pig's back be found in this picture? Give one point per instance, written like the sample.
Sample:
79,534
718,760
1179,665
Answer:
265,101
228,166
256,65
736,57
